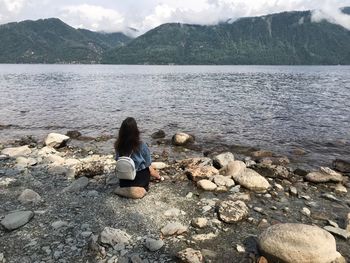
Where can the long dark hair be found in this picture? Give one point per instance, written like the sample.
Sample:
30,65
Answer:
128,138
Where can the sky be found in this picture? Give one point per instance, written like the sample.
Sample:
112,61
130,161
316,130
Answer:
143,15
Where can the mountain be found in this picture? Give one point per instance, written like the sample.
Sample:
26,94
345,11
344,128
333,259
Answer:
289,38
53,41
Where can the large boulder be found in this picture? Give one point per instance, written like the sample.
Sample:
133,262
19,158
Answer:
17,151
223,159
324,175
56,140
252,180
341,166
232,211
290,243
15,220
181,139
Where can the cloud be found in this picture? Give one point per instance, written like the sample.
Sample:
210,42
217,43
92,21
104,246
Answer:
333,15
9,9
93,17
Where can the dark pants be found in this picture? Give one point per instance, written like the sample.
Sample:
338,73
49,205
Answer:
141,180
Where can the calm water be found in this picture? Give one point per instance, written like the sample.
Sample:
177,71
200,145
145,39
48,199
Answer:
272,107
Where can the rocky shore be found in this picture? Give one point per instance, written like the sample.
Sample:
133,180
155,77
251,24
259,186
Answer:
58,205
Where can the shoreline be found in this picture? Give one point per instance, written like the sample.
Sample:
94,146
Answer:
71,211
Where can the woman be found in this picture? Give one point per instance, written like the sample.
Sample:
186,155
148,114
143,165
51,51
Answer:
128,143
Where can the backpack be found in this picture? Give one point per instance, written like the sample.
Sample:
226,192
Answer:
125,168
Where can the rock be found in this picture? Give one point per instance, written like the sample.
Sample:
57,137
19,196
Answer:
199,222
29,196
233,169
159,165
59,224
341,166
300,172
252,180
24,162
17,151
206,185
340,189
15,220
232,211
239,196
202,172
261,154
338,231
56,140
173,228
271,171
330,197
73,134
154,244
298,243
324,175
2,258
190,255
306,211
293,190
181,139
77,185
203,237
240,249
173,212
221,180
115,237
223,159
135,259
160,134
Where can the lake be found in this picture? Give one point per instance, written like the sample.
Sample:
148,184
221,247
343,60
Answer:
277,108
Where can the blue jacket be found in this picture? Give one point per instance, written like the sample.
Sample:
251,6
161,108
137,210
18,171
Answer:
141,158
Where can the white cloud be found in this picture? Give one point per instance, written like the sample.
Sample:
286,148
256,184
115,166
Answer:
93,17
333,15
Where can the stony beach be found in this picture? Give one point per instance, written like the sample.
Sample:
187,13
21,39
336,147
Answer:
58,205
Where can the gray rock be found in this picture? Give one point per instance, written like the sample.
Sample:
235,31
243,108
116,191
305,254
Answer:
160,134
17,151
59,224
324,175
115,238
298,243
293,190
232,211
221,180
338,231
15,220
56,140
341,165
252,180
348,223
223,159
173,228
306,211
154,244
29,196
190,255
77,185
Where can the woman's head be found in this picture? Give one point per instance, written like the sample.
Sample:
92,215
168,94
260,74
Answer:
128,138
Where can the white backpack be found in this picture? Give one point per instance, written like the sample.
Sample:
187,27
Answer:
125,168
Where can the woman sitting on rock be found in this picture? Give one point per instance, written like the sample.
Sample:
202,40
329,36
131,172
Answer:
128,144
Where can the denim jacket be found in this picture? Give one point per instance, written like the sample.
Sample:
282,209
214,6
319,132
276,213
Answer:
141,158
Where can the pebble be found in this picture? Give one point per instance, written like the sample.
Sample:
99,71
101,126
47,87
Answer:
232,211
189,195
59,224
199,222
154,244
293,190
340,189
306,211
77,185
173,228
190,255
240,249
206,185
29,196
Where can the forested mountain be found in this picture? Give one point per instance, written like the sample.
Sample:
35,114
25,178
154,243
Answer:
52,41
289,38
285,38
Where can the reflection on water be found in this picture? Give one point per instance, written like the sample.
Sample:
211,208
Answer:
272,107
